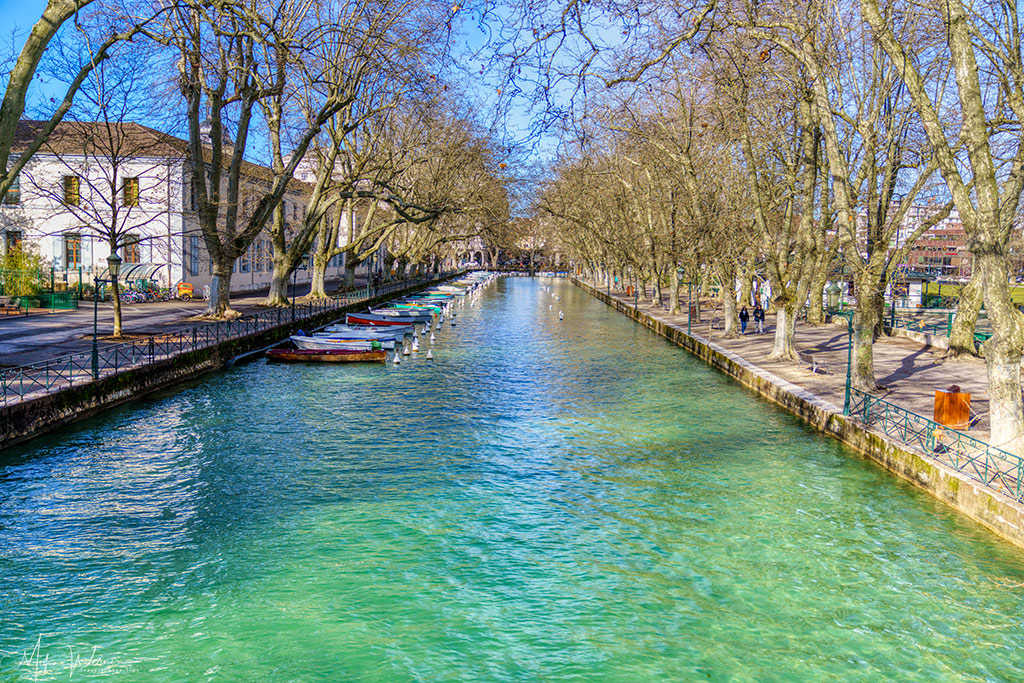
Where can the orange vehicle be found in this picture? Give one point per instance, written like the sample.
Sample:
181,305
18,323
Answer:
185,291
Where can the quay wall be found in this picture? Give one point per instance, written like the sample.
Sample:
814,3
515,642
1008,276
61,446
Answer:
28,419
997,512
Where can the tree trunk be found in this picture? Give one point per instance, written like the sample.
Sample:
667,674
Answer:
1003,353
317,284
961,336
278,295
115,290
783,347
219,305
863,370
350,270
815,309
729,311
746,287
673,295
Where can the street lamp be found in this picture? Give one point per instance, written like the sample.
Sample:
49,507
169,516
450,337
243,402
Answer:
680,274
832,295
295,274
113,268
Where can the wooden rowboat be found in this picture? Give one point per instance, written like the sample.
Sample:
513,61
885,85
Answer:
328,356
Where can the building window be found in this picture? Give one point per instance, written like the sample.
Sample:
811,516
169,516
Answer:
130,192
72,190
193,255
257,258
72,250
13,195
132,252
246,260
12,240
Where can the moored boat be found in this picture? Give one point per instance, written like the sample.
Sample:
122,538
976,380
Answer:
323,343
375,319
326,356
372,331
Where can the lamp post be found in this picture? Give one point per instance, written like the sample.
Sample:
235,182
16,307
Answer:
113,268
295,274
832,294
680,274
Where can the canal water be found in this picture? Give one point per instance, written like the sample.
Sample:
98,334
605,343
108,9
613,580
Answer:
547,500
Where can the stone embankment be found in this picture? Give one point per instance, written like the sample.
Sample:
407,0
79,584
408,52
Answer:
812,397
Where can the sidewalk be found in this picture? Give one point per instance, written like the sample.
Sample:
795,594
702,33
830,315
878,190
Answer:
910,371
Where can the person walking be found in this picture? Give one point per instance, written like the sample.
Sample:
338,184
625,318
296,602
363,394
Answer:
744,318
759,317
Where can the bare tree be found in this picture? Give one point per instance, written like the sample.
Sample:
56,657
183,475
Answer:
120,26
983,44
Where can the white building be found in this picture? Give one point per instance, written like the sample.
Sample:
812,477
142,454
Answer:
93,179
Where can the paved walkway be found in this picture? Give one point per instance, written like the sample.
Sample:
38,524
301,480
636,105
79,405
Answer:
910,371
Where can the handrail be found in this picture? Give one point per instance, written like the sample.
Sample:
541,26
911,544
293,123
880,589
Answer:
63,372
992,467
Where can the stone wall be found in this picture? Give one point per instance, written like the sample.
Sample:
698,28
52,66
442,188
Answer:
995,511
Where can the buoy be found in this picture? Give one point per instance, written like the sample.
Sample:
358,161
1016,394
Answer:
430,354
415,345
550,306
406,351
559,315
431,336
398,359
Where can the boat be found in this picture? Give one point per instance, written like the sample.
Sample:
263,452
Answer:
325,343
374,319
372,331
413,312
326,356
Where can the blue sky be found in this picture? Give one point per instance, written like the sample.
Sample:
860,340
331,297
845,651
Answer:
19,14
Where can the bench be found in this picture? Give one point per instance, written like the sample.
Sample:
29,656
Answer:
814,365
717,323
12,305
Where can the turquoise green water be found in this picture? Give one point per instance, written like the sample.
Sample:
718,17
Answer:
574,500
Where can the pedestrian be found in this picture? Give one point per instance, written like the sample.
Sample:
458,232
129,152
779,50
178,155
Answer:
744,318
759,317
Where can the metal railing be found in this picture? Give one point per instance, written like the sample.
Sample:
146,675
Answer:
58,374
939,329
993,467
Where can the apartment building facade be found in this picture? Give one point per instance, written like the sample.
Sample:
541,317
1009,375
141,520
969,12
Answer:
93,179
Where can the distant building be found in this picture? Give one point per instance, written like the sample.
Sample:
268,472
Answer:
941,251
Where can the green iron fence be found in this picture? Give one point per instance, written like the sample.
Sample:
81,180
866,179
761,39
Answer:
939,329
993,467
58,374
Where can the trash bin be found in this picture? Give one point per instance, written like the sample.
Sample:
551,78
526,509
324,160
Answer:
953,408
